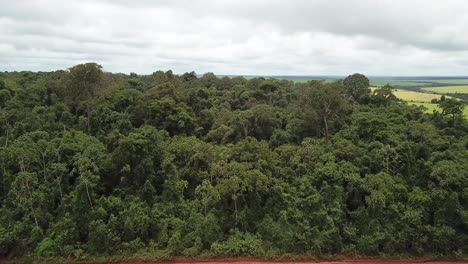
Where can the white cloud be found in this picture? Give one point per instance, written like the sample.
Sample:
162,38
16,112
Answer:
238,37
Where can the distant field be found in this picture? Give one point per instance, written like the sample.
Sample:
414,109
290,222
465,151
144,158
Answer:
304,81
463,89
422,99
408,82
430,107
447,81
419,83
396,83
413,96
434,107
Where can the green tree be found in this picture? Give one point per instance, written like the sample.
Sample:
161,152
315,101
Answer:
176,165
82,83
452,107
323,105
207,194
137,158
174,117
384,95
356,85
2,84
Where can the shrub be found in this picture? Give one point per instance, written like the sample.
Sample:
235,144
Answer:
48,247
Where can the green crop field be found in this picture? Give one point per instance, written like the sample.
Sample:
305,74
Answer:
430,108
446,81
396,83
419,83
422,99
463,89
306,80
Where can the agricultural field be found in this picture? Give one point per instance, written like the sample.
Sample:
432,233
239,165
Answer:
306,80
462,89
447,81
413,96
380,83
396,82
419,83
422,99
430,108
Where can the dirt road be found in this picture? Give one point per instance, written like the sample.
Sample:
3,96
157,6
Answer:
253,261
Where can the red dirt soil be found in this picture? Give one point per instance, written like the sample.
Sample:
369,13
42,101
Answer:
256,261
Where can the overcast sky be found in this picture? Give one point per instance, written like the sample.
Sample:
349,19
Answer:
266,37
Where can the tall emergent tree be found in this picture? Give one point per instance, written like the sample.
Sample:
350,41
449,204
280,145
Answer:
82,83
452,107
323,104
356,85
384,95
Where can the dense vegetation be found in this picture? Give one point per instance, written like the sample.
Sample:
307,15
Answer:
94,163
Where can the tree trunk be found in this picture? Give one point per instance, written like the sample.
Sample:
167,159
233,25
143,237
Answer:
3,187
325,129
31,205
88,112
6,137
387,163
89,197
44,166
60,188
235,208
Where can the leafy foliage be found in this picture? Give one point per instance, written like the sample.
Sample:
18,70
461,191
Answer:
98,164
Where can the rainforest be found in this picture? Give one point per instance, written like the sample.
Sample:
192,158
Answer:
164,165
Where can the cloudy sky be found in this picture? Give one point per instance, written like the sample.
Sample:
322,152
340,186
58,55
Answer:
266,37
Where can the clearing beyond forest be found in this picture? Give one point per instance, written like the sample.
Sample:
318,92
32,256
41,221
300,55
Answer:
462,89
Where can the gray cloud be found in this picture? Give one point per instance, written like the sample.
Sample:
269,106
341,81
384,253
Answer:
375,37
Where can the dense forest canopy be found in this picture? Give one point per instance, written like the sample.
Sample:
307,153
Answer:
94,163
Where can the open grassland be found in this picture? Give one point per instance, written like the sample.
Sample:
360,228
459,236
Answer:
421,99
430,108
462,89
413,96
